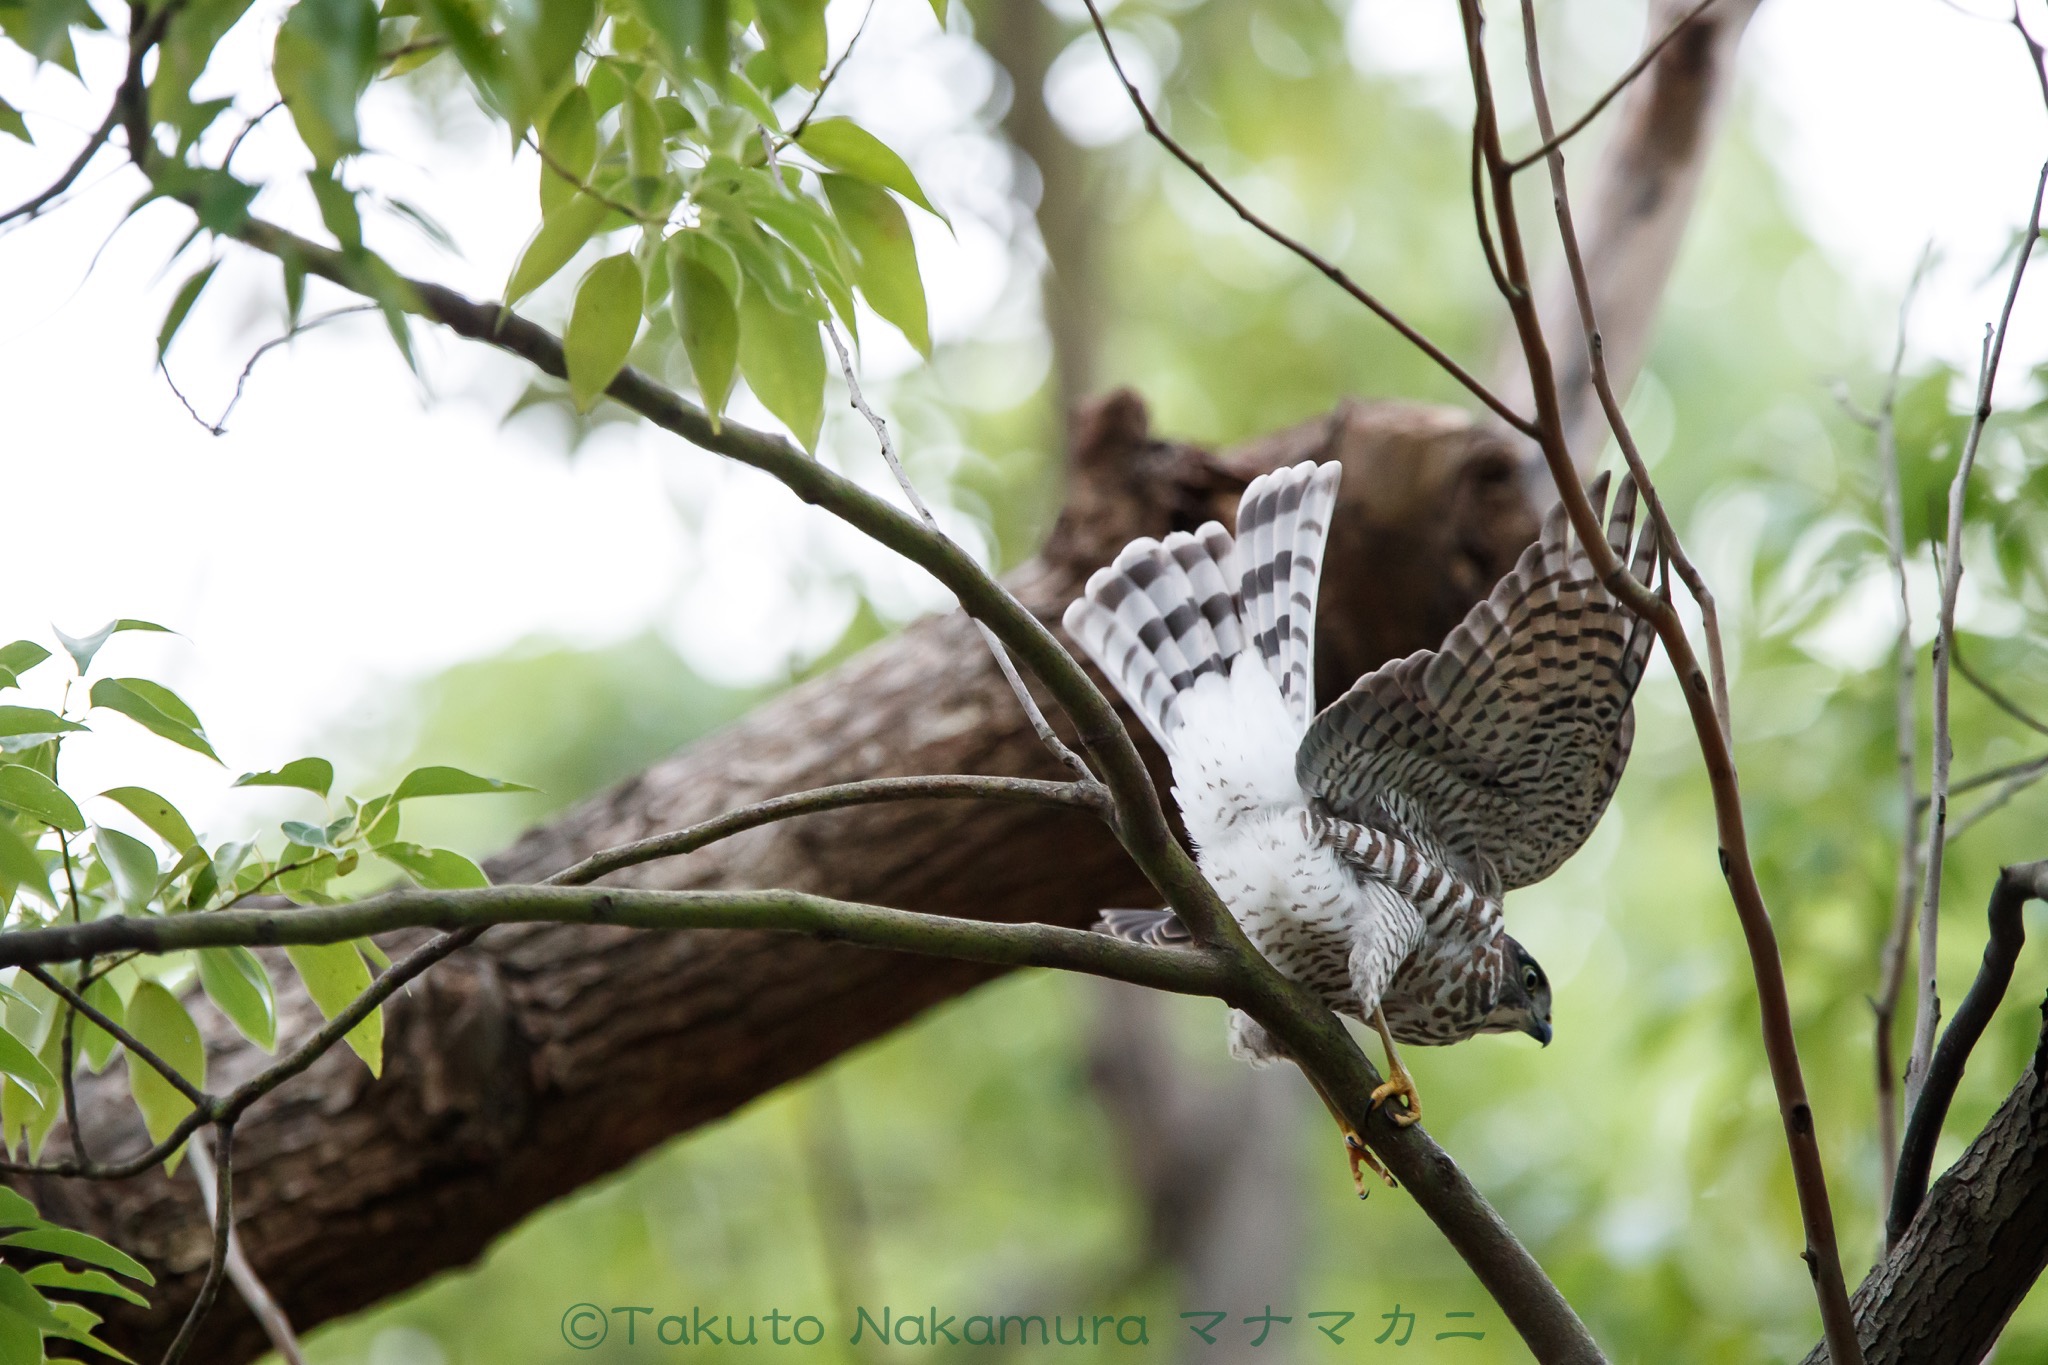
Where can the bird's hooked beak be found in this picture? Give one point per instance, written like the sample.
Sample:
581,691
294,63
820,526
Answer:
1539,1029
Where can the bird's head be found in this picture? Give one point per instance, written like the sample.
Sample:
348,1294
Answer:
1524,1003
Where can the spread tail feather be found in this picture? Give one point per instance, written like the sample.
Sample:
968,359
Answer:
1166,614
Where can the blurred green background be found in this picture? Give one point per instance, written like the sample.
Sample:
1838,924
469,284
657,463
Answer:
970,1162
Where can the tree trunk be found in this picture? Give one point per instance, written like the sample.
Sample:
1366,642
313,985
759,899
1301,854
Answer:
1977,1245
546,1057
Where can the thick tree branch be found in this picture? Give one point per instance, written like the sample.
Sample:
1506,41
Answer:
1188,971
1944,1293
2016,885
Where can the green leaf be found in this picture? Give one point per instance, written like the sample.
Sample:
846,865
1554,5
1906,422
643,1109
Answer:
335,975
844,145
28,791
645,155
18,1061
154,707
794,31
475,46
160,1023
51,1275
326,54
562,234
20,866
436,869
22,727
95,1042
438,781
82,650
133,865
78,1324
887,270
338,209
602,327
783,358
235,981
312,836
79,1246
568,150
541,40
708,322
174,318
17,1212
20,656
19,1297
12,123
21,1341
687,28
159,815
315,775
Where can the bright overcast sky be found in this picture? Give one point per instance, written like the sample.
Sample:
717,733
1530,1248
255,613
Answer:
350,530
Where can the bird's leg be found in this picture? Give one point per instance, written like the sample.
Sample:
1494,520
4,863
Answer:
1398,1081
1355,1149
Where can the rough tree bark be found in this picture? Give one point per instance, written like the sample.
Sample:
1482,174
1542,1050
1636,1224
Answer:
546,1057
1979,1242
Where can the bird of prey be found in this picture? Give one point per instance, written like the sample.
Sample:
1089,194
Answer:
1365,850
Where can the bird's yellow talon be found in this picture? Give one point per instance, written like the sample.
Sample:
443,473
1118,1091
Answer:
1355,1149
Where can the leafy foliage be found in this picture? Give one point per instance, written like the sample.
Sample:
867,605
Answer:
56,866
677,134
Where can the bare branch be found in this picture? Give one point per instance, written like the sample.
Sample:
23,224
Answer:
136,1049
2016,886
1928,1005
1992,694
1610,403
1331,272
1553,141
1015,789
1906,740
241,1274
223,1225
35,204
2025,776
1780,1046
1187,971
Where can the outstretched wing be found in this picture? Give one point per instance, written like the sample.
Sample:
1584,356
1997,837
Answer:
1499,750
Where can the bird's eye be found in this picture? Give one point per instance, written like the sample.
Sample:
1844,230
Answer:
1531,978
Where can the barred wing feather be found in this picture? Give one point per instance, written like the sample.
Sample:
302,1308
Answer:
1500,749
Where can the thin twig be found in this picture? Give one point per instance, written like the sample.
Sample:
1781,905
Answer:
216,1265
136,1048
1781,1047
1610,402
1906,742
830,76
297,329
1328,270
227,162
34,205
1039,724
276,1325
1553,141
1992,694
2012,786
2007,931
582,186
1928,1006
1018,789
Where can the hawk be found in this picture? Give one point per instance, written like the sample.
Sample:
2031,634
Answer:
1365,850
